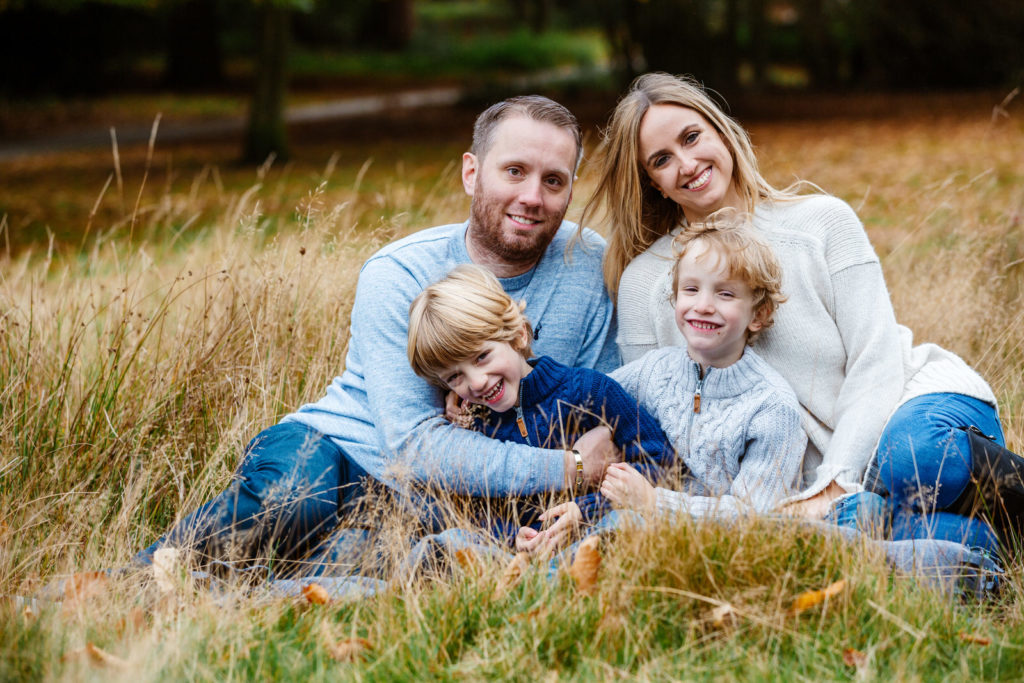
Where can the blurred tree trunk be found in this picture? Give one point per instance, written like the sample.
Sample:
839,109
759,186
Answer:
759,42
194,55
266,133
818,56
394,21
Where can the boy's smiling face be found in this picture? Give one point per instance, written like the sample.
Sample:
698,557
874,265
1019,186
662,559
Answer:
714,311
490,377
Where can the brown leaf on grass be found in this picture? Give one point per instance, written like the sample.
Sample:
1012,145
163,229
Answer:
96,656
586,565
83,586
345,650
315,594
529,616
812,598
134,621
349,649
854,658
512,575
468,561
974,638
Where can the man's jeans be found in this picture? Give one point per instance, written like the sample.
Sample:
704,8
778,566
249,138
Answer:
923,462
291,488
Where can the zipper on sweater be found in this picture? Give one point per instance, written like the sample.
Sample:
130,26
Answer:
700,386
520,420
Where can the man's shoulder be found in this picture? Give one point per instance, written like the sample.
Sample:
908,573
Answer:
420,244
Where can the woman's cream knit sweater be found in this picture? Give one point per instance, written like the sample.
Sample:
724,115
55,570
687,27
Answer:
835,339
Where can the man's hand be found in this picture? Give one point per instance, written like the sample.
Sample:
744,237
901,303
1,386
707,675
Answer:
528,540
598,451
565,520
627,488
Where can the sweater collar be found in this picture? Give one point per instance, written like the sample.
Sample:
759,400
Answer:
541,383
729,381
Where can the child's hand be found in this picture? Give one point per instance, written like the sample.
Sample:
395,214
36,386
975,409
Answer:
528,540
565,520
455,413
627,488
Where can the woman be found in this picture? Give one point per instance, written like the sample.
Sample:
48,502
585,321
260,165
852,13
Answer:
670,157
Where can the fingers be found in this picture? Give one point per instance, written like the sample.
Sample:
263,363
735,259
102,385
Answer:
555,512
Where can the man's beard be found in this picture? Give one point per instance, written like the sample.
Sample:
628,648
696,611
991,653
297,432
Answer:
486,219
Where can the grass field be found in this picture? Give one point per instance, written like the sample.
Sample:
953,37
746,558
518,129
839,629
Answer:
158,310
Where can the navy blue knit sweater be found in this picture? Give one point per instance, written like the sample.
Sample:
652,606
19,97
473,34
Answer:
558,404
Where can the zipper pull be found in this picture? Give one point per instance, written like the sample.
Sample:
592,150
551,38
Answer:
521,422
700,385
696,402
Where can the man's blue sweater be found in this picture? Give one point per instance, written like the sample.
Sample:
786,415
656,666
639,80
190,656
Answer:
557,404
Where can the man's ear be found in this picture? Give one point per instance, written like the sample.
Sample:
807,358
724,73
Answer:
469,170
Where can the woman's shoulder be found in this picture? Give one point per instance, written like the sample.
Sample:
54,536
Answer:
811,209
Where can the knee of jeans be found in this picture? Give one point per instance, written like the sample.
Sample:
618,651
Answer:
867,512
927,462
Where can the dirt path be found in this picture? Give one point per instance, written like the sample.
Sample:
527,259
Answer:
172,131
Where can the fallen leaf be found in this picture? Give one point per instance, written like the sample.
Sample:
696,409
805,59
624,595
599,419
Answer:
28,613
468,561
854,658
135,621
974,638
104,658
586,565
530,616
723,615
316,594
512,575
812,598
83,586
349,650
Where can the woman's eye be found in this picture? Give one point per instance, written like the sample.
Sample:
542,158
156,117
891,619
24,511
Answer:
692,137
660,161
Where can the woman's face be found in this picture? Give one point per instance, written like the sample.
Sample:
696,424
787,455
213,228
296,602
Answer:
686,159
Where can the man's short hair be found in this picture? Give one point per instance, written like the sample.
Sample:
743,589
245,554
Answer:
535,107
450,320
748,258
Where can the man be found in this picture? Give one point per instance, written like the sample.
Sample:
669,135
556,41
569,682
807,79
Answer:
379,419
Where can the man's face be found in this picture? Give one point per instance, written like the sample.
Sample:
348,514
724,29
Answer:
521,190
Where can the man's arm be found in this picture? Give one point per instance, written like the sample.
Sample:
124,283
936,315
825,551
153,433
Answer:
407,411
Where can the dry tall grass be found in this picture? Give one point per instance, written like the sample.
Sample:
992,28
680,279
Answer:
133,371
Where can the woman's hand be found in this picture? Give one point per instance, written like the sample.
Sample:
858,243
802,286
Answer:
627,488
528,540
818,505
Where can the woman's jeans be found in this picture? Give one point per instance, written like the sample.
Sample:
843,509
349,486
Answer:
923,463
290,490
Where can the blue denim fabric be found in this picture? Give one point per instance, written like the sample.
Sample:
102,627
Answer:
877,518
290,489
923,461
923,458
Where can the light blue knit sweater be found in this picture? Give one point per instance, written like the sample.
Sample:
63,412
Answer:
744,448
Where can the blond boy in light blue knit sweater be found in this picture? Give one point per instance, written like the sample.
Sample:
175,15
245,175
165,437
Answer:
733,419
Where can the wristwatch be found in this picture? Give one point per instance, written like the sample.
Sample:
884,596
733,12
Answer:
579,470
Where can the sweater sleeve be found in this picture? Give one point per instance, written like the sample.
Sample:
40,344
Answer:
416,442
874,374
637,434
769,469
639,308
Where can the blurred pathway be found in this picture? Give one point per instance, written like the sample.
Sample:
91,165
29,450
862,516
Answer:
170,131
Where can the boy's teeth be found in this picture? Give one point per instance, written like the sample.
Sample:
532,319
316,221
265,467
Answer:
494,392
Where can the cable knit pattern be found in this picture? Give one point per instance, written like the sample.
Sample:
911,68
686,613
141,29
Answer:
745,446
835,340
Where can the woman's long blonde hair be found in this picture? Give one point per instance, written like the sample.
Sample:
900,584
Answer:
636,213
